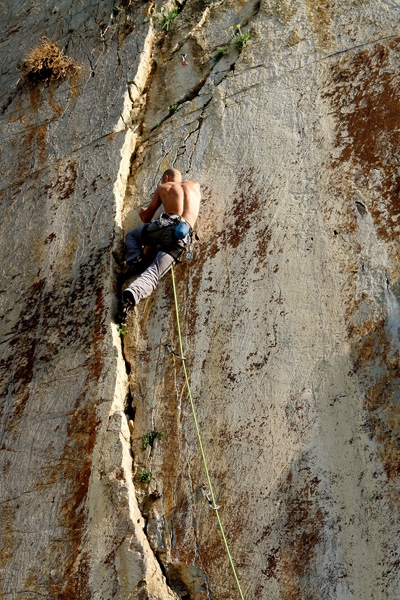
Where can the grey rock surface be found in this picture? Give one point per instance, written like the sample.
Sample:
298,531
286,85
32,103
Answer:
289,312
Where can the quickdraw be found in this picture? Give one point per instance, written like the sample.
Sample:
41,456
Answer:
172,351
207,494
193,237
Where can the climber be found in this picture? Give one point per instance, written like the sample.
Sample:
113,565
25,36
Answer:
169,233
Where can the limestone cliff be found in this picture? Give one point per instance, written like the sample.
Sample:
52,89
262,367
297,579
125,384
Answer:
289,311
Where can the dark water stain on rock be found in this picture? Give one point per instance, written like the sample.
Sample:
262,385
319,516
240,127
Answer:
17,368
82,433
367,107
378,371
304,520
366,104
66,316
246,203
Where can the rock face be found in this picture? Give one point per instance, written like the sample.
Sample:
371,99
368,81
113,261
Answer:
289,313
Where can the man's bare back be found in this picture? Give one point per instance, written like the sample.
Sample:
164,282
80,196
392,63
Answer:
177,197
167,236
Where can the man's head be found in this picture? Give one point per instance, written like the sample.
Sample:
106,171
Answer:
171,175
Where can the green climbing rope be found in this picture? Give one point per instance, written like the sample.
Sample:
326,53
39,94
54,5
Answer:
200,441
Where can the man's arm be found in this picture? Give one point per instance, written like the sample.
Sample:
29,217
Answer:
146,214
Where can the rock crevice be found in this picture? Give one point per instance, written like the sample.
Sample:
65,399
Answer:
289,311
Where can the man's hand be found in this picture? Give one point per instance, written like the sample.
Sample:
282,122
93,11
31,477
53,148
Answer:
146,214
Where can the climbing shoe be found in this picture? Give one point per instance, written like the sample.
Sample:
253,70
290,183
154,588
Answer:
134,262
128,302
133,267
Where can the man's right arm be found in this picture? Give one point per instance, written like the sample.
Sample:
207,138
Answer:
146,214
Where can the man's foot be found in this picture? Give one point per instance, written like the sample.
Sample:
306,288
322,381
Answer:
133,267
128,302
134,262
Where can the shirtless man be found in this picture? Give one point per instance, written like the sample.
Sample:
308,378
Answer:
169,233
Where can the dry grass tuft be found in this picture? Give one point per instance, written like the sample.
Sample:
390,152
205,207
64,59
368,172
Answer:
46,61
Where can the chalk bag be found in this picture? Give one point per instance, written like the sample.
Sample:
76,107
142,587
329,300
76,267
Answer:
182,230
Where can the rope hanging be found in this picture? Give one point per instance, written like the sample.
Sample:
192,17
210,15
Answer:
210,488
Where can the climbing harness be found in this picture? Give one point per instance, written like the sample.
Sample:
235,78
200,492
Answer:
170,233
161,234
126,307
208,491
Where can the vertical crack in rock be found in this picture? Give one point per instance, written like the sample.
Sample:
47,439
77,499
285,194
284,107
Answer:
121,561
183,579
180,578
170,493
178,560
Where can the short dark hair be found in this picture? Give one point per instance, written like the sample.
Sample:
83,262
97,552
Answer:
173,174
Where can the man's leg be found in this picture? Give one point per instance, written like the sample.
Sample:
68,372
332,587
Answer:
134,243
143,286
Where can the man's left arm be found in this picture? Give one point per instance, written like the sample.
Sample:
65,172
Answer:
146,214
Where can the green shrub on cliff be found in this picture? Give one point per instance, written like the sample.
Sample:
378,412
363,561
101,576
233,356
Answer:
167,17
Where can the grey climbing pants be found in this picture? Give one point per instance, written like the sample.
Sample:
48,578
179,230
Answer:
145,284
159,234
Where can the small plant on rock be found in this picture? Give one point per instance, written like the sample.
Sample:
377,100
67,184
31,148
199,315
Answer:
145,476
122,329
173,108
150,437
167,17
219,54
240,38
47,61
